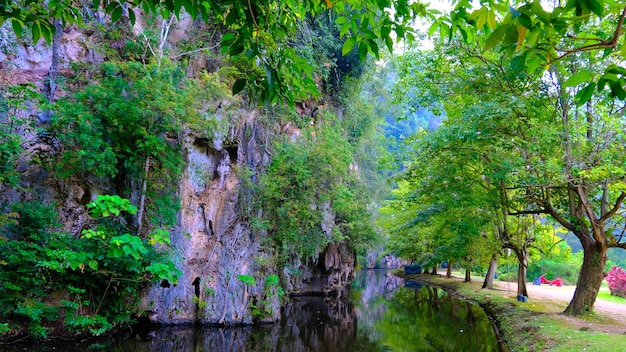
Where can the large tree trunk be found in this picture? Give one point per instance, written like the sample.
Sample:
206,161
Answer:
468,275
488,283
449,271
434,271
589,279
521,276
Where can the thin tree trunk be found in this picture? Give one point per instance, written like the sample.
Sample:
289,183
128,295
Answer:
449,271
488,283
468,275
50,84
589,280
142,201
434,271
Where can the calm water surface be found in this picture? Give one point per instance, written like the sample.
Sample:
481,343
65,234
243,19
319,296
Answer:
382,313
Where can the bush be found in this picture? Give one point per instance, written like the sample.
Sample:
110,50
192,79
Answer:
617,281
510,277
87,284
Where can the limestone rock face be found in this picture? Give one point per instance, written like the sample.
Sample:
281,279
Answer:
213,244
377,260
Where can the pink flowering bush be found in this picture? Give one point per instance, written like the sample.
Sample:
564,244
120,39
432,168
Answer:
617,281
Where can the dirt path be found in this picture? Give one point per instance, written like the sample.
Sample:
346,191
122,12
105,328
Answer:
610,317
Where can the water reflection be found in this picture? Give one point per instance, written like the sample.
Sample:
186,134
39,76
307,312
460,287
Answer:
383,313
426,319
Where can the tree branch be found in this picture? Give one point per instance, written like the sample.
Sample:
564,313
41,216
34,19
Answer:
616,207
602,44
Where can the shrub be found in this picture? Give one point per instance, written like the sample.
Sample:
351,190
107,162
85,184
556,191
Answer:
510,277
91,280
617,281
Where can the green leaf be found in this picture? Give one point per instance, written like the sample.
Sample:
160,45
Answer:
228,39
491,19
341,20
496,36
596,7
518,63
36,30
93,265
231,17
389,43
191,9
511,36
578,78
531,65
525,21
374,48
585,94
481,20
239,85
45,33
17,27
116,14
363,50
236,49
348,45
131,16
433,28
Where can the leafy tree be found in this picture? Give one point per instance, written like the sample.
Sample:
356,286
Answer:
302,183
536,36
555,147
260,30
126,128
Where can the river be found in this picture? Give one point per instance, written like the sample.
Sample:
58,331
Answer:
382,313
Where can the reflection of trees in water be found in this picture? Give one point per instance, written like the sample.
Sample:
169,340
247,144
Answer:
371,284
318,324
430,320
310,324
384,316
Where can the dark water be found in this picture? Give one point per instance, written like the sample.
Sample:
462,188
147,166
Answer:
382,313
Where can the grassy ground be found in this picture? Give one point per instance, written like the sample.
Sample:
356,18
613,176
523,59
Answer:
539,325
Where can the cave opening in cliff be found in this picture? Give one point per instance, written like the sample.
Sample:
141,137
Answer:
196,287
202,145
232,153
211,228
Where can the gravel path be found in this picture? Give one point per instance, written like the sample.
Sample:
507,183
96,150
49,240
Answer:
615,311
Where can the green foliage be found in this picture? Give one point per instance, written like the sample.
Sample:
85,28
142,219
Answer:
107,205
272,287
248,280
560,264
92,277
126,127
261,33
299,186
32,218
536,37
13,123
262,308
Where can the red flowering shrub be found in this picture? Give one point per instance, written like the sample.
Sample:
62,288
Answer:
617,281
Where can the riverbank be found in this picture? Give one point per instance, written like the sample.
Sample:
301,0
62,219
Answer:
538,325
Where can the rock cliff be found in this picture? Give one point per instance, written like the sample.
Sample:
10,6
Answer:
214,245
